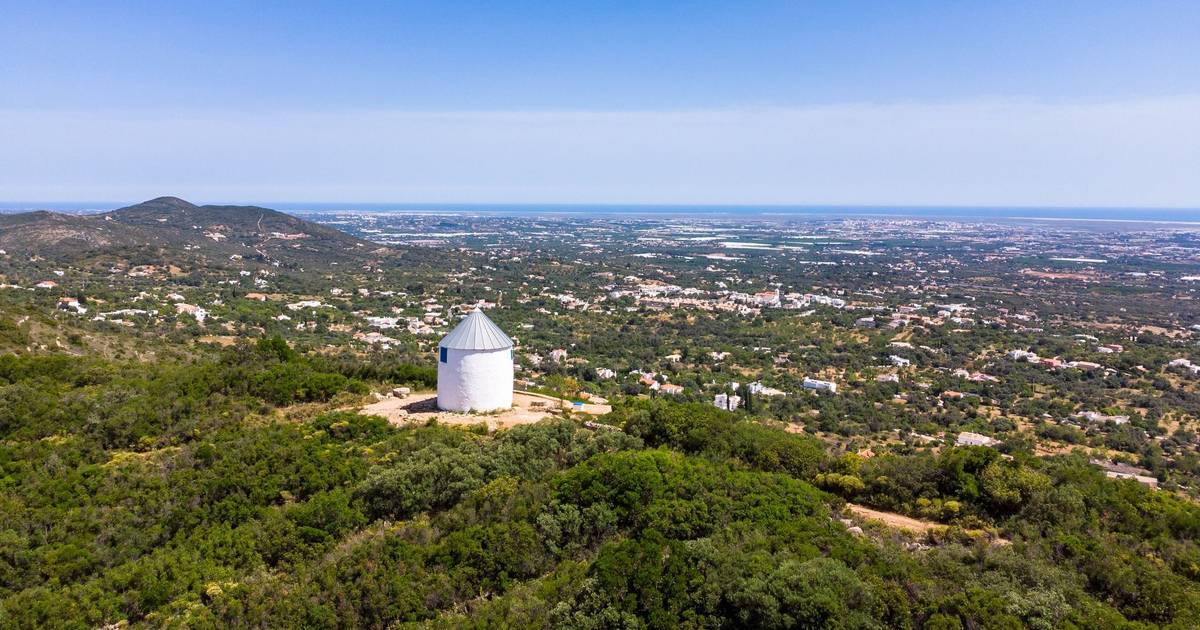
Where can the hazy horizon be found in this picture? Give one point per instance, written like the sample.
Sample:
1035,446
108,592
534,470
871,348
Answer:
1030,213
930,104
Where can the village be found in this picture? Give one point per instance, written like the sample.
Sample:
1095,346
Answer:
919,323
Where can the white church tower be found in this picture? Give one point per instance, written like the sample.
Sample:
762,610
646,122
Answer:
475,366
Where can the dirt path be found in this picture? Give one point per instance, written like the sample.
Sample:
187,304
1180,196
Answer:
892,519
914,525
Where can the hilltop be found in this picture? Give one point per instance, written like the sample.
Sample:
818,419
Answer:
169,229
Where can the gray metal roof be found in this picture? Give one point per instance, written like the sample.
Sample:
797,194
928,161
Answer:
476,332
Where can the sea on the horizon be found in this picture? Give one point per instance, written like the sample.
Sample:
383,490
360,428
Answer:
1168,215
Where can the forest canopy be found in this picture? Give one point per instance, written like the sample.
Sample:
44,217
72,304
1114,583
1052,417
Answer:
175,496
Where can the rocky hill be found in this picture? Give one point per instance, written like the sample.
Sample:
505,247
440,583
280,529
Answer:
169,229
54,235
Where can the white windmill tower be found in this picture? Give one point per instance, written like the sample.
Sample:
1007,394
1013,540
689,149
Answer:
475,366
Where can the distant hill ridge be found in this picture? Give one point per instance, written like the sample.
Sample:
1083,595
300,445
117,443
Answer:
172,226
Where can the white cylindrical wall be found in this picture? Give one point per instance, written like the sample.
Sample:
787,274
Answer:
475,380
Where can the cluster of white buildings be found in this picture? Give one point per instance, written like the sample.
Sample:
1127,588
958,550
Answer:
414,325
198,312
1055,363
975,377
656,294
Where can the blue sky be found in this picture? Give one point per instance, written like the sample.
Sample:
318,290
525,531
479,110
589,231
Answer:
956,103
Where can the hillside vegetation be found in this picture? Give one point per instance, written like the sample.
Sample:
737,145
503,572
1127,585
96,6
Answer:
180,496
169,230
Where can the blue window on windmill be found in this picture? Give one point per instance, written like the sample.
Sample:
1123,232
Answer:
443,357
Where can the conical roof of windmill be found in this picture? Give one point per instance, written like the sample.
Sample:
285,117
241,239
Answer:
476,332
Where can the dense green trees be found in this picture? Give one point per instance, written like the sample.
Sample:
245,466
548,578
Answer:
703,429
166,496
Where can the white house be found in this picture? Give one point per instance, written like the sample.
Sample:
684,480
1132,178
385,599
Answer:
758,389
1185,363
1023,355
819,385
475,366
727,401
1096,417
71,304
967,438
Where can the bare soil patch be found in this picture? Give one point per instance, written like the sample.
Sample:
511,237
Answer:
527,408
893,520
